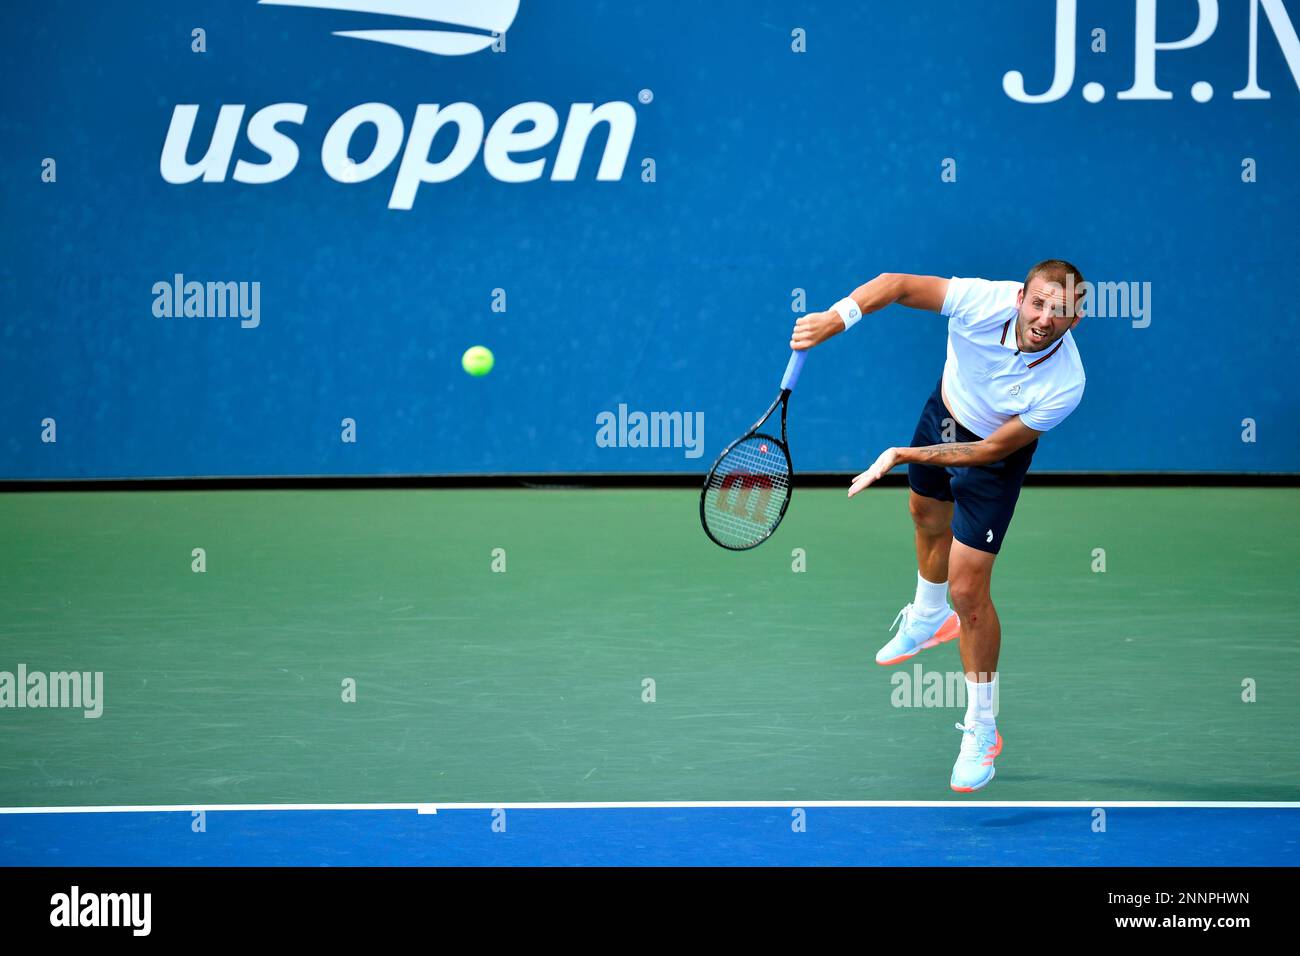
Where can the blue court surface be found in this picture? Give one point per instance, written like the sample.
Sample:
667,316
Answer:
916,835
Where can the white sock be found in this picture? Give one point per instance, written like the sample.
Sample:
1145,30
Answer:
981,701
931,598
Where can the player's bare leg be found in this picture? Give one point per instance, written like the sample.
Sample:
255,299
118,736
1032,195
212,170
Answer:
933,521
928,621
970,577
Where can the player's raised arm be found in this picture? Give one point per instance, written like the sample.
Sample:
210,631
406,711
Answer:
915,292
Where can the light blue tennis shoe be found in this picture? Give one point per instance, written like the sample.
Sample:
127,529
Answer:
980,744
917,633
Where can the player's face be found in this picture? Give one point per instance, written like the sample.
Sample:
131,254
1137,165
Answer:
1044,316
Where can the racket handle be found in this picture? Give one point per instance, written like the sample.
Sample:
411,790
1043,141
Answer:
792,370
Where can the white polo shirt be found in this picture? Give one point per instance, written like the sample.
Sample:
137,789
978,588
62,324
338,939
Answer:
987,379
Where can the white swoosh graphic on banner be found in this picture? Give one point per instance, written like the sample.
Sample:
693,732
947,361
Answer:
492,15
430,41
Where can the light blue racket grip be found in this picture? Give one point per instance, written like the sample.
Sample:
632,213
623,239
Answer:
792,370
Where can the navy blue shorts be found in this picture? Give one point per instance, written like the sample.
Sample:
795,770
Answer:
984,496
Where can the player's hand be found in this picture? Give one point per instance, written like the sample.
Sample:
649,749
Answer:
815,328
887,460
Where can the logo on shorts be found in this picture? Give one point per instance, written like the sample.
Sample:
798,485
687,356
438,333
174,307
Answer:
989,539
1015,389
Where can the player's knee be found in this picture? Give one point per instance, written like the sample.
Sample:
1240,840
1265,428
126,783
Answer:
968,592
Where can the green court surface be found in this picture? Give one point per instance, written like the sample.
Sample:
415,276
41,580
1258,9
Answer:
225,687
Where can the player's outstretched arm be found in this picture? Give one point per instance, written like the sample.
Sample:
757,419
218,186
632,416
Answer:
916,292
1011,437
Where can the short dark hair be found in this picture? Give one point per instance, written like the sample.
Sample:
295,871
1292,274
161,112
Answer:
1056,270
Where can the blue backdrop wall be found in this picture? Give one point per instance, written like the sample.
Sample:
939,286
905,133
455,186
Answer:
795,146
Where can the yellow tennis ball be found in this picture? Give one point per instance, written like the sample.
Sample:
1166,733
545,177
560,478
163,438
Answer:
478,361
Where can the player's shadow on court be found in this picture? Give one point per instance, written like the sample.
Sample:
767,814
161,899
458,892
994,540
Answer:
1028,817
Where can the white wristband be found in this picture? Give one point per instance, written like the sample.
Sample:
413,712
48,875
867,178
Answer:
848,311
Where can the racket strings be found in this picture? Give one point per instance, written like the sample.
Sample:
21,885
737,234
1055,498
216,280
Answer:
747,492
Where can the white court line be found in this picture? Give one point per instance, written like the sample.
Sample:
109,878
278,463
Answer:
433,808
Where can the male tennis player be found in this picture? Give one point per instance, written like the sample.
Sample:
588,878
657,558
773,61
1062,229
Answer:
1013,372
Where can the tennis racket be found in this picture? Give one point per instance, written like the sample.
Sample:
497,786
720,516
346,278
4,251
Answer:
748,488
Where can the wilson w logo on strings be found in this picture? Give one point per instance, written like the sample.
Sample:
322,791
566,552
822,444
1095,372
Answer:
738,489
